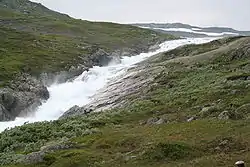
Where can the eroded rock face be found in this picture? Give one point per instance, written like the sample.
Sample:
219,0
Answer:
4,115
21,97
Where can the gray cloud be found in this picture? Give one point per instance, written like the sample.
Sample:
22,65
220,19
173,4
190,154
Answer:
232,13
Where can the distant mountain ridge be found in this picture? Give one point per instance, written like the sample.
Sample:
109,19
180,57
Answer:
187,30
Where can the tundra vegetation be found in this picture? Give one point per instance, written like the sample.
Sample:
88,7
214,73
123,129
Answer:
195,112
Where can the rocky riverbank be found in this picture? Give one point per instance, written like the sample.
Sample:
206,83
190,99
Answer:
139,81
22,96
25,92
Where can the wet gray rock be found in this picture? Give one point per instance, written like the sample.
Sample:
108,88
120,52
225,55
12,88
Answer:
62,76
101,57
4,115
27,83
21,97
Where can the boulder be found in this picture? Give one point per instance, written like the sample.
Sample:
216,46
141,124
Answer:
152,121
100,57
225,115
7,99
234,115
75,111
156,121
56,146
33,158
244,109
206,111
191,119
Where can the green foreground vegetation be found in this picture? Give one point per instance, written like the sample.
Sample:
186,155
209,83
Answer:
213,76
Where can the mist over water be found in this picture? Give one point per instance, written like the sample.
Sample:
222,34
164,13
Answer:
81,90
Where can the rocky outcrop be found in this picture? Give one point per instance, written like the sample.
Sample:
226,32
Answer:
22,96
75,111
4,115
33,158
37,157
207,111
99,57
62,76
225,115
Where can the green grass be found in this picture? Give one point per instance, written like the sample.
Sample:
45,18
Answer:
190,144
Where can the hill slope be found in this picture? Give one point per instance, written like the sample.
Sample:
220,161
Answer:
38,45
195,112
42,40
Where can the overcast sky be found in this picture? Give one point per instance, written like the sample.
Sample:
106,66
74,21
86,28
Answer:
231,13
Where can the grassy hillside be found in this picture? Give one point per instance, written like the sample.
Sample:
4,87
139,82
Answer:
34,39
196,81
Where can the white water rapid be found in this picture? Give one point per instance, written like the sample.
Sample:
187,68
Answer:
80,91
